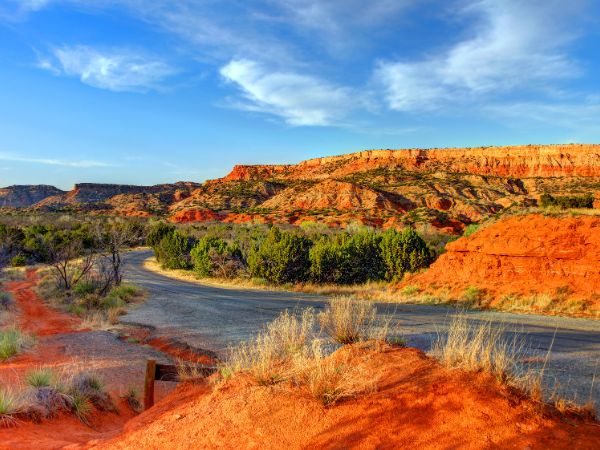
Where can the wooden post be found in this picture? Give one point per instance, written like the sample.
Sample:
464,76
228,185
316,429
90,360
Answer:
149,383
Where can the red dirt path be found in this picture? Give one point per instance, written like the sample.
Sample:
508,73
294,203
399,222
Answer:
35,316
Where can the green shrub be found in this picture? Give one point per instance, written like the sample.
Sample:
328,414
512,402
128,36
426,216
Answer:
347,259
18,261
470,229
158,232
85,287
402,252
173,251
6,301
214,256
120,296
567,201
282,257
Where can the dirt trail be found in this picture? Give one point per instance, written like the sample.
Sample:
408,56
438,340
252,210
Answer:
35,316
63,346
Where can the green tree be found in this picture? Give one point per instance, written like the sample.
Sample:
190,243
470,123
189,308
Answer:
403,251
173,251
282,257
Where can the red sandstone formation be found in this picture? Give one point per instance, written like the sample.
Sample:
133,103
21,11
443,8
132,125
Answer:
524,255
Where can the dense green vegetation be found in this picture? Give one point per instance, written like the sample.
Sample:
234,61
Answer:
287,255
567,201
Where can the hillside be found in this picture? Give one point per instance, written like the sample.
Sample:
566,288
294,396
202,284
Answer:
544,263
444,187
24,196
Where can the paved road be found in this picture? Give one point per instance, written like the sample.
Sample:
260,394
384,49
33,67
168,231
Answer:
212,318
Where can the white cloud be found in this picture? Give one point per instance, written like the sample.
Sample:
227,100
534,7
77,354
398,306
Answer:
298,99
115,70
83,164
514,45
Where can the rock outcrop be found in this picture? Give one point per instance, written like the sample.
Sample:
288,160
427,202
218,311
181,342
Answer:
524,255
24,196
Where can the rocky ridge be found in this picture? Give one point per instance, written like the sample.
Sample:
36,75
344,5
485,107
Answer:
444,187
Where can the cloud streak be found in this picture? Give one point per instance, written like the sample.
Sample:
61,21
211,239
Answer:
83,164
298,99
114,70
514,45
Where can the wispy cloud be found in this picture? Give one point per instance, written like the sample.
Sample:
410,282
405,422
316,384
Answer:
298,99
83,164
514,45
115,70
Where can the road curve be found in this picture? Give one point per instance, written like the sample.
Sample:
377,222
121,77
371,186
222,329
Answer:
212,318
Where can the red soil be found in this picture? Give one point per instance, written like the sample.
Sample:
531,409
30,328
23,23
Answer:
524,255
178,352
35,316
417,404
37,319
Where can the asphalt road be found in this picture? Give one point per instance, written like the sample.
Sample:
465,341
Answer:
213,318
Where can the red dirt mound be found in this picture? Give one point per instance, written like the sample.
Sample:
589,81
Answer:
417,404
524,255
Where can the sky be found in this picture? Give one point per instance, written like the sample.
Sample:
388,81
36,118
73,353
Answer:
157,91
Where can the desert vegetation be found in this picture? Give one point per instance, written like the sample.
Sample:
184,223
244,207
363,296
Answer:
279,256
311,352
82,271
46,393
485,347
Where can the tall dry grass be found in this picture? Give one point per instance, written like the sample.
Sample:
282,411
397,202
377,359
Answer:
483,347
295,349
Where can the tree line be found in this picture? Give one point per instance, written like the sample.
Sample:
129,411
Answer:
291,255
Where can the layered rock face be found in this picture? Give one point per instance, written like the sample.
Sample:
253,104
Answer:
447,188
514,161
524,255
25,196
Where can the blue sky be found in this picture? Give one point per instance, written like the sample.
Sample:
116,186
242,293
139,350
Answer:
153,91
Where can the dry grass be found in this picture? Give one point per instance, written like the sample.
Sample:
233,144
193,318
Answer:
10,405
480,347
483,348
293,349
347,320
266,355
331,378
13,342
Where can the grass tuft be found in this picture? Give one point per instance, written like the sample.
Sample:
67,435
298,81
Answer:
40,378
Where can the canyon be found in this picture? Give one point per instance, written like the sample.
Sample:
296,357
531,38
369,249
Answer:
447,188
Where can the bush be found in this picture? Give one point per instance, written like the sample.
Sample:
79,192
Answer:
9,406
158,232
6,301
85,287
213,256
470,229
40,378
347,259
567,201
18,261
402,252
281,258
173,251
